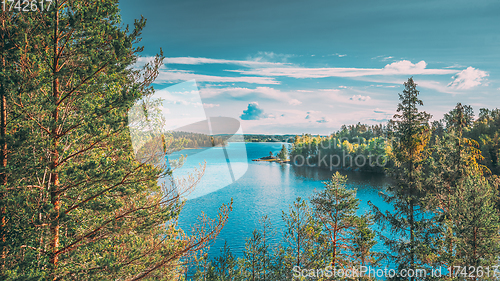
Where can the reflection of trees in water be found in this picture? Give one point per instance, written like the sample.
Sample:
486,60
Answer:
377,180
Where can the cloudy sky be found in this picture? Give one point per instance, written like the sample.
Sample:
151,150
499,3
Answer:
300,66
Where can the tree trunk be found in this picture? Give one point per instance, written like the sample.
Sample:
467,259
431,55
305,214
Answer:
54,176
3,148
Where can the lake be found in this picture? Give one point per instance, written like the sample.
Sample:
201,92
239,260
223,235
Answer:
266,188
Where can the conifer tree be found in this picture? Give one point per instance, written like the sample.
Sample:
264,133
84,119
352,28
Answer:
221,268
302,242
478,224
283,154
17,71
258,257
83,207
5,51
407,222
363,240
252,263
336,208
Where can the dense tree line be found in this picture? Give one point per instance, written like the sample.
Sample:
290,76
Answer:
194,140
346,149
268,138
372,142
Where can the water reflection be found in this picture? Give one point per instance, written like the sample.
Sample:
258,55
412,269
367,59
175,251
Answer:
268,189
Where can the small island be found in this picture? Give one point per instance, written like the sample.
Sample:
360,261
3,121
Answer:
281,157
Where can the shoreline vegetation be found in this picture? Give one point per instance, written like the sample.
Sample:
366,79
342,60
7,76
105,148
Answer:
440,170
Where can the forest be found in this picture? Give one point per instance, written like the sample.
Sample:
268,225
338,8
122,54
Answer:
444,195
78,203
379,140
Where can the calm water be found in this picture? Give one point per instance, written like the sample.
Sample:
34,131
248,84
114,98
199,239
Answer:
265,189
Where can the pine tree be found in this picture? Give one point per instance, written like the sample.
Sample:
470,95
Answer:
336,208
258,257
17,71
82,206
407,221
283,154
363,240
478,228
221,268
252,263
5,51
302,240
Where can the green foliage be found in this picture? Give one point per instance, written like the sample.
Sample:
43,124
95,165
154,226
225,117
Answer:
283,154
193,140
258,257
455,176
302,243
220,268
268,138
336,208
486,131
407,221
339,151
80,206
477,230
363,240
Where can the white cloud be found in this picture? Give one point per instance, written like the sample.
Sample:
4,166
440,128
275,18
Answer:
254,112
468,78
210,105
294,102
169,75
383,58
398,82
338,55
259,62
360,98
329,90
406,66
266,57
435,85
378,110
403,67
455,66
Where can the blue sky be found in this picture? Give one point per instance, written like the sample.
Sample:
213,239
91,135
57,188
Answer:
292,66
